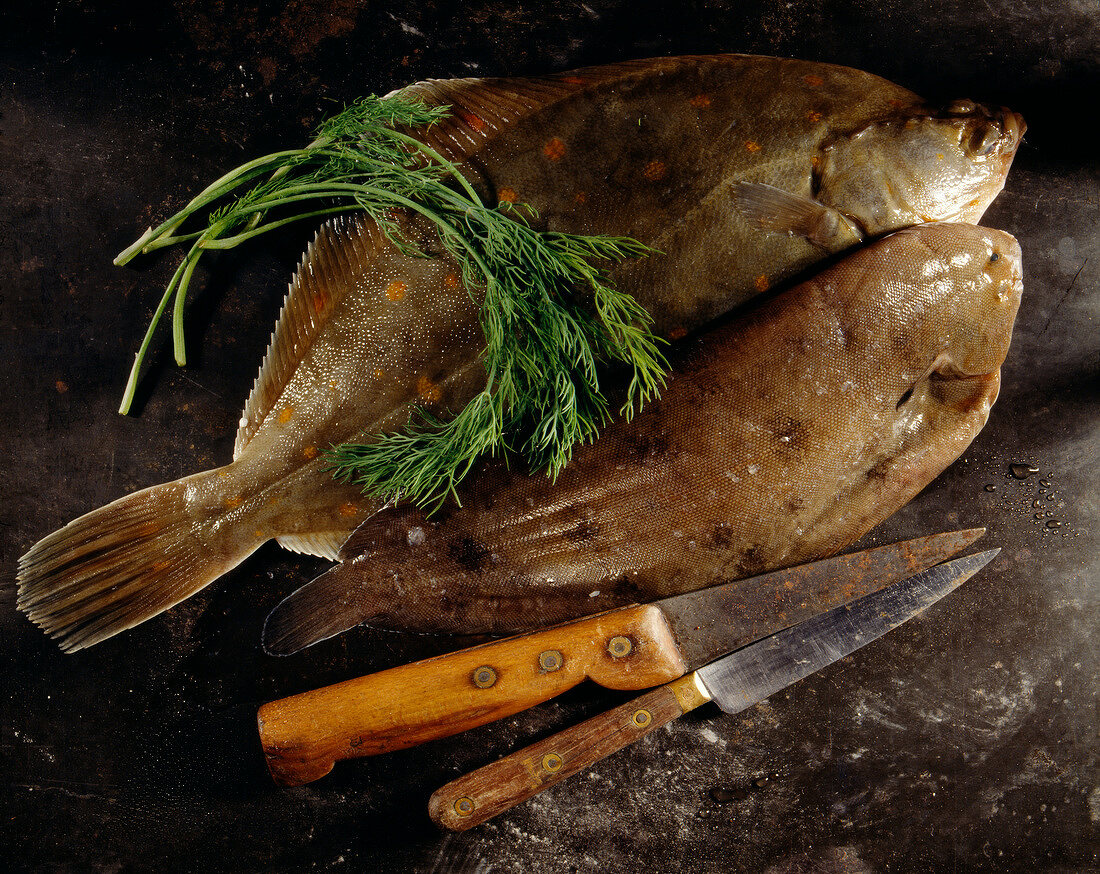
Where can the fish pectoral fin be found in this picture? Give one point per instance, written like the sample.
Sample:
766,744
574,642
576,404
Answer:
774,209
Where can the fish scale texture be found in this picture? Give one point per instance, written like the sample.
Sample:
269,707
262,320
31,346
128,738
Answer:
782,437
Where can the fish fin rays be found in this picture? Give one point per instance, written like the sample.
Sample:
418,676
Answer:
322,608
324,544
336,259
117,566
777,210
481,108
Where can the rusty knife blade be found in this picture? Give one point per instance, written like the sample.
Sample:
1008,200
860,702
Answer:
709,623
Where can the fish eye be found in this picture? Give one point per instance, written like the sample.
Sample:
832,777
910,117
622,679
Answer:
961,107
984,140
995,257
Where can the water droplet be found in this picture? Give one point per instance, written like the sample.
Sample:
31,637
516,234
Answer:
1036,503
1022,471
991,488
1044,482
415,536
1054,523
1038,515
1050,497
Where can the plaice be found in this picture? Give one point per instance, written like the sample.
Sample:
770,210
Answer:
743,172
630,648
734,682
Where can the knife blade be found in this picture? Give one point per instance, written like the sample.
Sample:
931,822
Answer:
735,682
631,648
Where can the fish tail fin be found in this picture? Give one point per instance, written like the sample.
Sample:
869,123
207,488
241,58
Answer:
117,566
322,608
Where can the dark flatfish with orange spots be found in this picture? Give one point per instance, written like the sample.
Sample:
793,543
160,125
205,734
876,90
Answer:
783,436
742,170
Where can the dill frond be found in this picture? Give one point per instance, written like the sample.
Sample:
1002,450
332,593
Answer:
543,352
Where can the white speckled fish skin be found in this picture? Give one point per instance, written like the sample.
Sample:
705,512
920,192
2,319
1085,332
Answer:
783,437
366,333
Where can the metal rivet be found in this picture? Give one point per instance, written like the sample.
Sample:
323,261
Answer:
550,660
619,646
484,677
464,806
552,762
642,718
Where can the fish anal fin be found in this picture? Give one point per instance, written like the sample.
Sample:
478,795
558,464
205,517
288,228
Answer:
774,209
325,544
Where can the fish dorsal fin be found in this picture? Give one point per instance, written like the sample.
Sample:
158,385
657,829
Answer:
481,108
329,270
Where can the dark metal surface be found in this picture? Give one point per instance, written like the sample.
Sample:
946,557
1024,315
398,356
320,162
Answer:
964,741
740,680
712,622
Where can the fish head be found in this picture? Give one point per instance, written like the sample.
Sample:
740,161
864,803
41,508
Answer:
925,166
963,285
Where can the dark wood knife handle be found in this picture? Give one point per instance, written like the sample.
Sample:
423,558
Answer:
304,735
482,794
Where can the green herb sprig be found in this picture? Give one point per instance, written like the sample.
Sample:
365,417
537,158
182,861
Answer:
542,348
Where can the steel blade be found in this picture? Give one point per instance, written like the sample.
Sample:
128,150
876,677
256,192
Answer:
709,623
749,675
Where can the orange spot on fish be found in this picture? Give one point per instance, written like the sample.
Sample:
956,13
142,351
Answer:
761,282
474,121
677,332
700,101
320,300
285,414
348,509
573,80
223,473
788,585
506,195
815,162
149,529
379,373
813,81
310,452
580,197
813,115
161,565
452,281
655,171
396,290
233,503
939,156
259,533
554,149
752,146
897,104
61,386
428,390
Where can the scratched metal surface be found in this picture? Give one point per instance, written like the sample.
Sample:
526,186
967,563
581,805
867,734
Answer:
964,741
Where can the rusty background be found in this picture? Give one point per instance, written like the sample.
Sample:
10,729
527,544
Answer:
966,741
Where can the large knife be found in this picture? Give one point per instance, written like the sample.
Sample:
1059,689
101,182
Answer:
735,683
632,648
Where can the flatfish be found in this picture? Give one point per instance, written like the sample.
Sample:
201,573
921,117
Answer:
782,437
743,171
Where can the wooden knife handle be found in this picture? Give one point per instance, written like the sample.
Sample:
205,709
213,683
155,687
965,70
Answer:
493,789
304,735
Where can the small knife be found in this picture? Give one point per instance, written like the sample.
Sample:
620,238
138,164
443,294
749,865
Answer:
631,648
735,682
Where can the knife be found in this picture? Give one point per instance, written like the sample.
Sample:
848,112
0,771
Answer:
631,648
735,682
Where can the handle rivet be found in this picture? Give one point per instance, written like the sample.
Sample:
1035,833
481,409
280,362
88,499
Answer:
619,646
552,762
642,718
550,660
464,806
484,677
